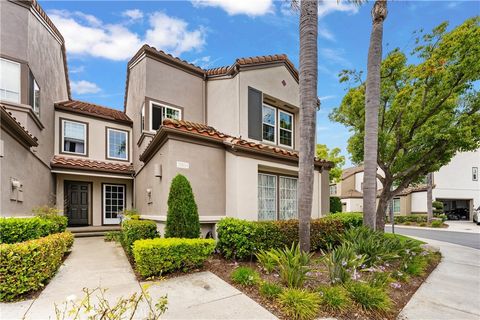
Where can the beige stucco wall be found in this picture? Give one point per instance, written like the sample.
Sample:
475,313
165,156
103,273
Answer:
223,105
419,201
95,218
97,134
353,204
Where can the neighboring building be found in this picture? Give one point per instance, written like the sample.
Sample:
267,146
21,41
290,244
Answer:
233,131
456,185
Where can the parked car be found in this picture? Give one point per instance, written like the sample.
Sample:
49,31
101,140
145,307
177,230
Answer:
457,214
476,215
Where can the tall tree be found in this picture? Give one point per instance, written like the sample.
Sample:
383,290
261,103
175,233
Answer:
308,108
429,110
429,197
372,105
334,156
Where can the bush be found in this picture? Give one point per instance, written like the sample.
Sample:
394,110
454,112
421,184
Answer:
437,207
335,204
52,214
348,219
299,304
442,217
26,266
13,230
133,230
415,265
437,223
379,279
270,290
154,257
368,297
267,260
411,218
182,215
245,276
334,298
115,236
292,265
343,263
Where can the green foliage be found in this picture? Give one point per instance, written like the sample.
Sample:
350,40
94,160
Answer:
292,265
52,214
335,204
154,257
182,215
343,263
270,290
267,260
240,239
429,109
133,230
334,156
415,265
370,298
299,304
412,218
26,266
437,223
115,236
13,230
437,208
335,298
379,279
442,217
348,219
245,276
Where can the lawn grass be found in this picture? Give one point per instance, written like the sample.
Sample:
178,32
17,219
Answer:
403,238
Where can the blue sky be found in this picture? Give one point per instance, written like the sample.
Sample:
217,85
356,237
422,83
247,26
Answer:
102,36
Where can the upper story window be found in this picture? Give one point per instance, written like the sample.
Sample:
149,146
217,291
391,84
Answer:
286,128
117,144
142,119
9,80
159,112
333,190
475,173
74,137
34,95
269,123
273,118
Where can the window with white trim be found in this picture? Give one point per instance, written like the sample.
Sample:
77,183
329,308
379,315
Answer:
74,137
396,205
272,187
9,80
117,144
35,96
113,200
269,123
159,112
142,118
285,134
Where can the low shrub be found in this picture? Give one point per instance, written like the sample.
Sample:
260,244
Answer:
292,265
415,265
267,260
348,219
115,236
52,214
270,290
436,224
26,266
299,304
343,263
154,257
438,208
379,279
422,224
411,218
245,276
334,298
335,204
133,230
13,230
368,297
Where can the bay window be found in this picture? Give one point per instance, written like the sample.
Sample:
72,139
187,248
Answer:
159,112
117,144
74,137
9,80
277,197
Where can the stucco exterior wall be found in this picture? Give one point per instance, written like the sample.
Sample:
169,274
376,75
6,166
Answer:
223,105
419,202
353,205
96,205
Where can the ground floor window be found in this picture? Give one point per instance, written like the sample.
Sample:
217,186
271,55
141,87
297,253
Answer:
277,197
396,206
113,202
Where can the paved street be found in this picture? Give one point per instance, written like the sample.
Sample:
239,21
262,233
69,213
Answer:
468,239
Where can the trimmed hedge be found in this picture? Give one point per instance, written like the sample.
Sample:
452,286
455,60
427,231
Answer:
26,266
154,257
335,204
13,230
348,219
241,239
415,218
133,230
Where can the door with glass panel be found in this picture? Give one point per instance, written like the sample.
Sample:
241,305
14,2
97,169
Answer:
114,198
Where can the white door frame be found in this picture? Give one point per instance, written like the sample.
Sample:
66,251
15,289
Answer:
104,204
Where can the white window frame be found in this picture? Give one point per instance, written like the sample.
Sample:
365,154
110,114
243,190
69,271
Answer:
399,206
280,196
104,203
126,142
268,124
85,142
276,194
279,128
163,106
19,80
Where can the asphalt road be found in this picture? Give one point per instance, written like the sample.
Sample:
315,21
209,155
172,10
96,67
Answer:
462,238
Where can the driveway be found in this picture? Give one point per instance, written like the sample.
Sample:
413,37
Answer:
468,239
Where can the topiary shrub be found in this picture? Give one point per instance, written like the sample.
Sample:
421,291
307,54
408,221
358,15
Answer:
13,230
335,204
182,215
133,230
437,208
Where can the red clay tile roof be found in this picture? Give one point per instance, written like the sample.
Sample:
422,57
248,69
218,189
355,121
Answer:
92,165
7,117
227,140
93,110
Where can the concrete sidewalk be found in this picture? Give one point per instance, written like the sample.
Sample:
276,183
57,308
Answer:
453,226
452,290
95,263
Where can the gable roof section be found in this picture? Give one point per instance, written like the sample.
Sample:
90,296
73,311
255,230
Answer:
10,123
93,110
91,165
229,142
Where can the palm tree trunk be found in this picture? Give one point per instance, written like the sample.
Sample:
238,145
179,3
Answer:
308,106
384,199
429,198
372,104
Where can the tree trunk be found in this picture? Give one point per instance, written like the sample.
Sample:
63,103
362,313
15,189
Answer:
372,104
383,200
429,198
308,106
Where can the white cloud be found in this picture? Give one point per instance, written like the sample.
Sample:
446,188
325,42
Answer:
326,7
325,33
84,87
133,14
233,7
88,36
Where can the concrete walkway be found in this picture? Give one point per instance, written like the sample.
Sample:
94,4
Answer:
95,263
452,290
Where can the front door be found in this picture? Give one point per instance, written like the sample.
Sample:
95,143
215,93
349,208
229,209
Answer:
77,198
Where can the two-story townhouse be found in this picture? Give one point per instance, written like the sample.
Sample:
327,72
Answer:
456,185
